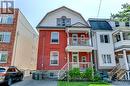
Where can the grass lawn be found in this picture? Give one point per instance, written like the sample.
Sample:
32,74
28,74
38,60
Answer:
64,83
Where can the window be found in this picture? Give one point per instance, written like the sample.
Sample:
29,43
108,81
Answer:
5,37
6,19
127,24
118,38
117,24
11,70
126,36
3,56
54,57
106,58
63,21
83,59
54,37
104,39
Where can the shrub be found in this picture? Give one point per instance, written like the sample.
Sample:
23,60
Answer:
97,77
82,75
89,73
74,73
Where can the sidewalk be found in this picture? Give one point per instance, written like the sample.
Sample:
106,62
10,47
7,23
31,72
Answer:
30,82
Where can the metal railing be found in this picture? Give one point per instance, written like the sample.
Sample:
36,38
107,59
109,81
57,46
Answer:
71,65
78,41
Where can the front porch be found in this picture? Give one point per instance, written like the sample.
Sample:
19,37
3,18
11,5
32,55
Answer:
123,58
81,60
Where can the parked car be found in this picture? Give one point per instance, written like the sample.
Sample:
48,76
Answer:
10,74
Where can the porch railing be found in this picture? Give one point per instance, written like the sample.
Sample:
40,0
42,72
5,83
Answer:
81,65
71,65
78,41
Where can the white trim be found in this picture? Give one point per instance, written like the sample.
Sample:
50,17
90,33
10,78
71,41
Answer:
3,52
75,36
52,37
82,58
57,58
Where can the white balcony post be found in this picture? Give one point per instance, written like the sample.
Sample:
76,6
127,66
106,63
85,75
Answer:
89,38
125,59
68,37
121,35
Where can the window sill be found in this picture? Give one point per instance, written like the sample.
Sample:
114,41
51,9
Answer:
54,43
54,64
3,62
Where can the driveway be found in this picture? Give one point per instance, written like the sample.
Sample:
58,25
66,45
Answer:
30,82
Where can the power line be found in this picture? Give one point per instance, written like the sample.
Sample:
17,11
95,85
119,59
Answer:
99,8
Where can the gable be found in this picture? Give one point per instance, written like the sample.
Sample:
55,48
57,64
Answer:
50,20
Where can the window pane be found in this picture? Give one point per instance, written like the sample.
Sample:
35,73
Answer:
1,37
83,59
101,39
54,58
106,38
55,37
10,19
3,56
104,58
0,19
108,58
6,37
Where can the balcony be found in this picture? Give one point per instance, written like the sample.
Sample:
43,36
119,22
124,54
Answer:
122,40
78,45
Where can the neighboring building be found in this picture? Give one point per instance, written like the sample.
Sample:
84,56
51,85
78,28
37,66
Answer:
18,41
111,41
121,39
103,44
64,38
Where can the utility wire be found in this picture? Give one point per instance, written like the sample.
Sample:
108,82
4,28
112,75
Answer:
99,8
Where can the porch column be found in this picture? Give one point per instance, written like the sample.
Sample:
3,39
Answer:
67,37
121,35
125,59
89,32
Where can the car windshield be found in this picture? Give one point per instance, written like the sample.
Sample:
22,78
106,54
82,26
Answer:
2,70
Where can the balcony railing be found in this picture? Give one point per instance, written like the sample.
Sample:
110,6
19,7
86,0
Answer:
78,41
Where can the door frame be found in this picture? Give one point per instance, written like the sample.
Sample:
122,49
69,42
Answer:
75,63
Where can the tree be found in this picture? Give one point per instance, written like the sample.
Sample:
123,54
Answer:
123,15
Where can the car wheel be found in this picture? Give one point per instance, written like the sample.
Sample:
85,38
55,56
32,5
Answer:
9,82
21,78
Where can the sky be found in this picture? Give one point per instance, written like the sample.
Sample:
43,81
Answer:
35,10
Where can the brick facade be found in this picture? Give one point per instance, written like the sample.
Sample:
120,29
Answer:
9,46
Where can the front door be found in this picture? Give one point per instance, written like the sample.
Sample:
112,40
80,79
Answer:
75,60
75,39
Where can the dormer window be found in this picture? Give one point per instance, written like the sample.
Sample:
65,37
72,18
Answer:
117,24
63,21
127,24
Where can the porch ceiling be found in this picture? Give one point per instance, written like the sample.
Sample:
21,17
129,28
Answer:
75,30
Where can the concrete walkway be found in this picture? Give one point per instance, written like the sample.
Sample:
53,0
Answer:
121,83
30,82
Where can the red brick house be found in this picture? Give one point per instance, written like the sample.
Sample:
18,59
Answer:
64,38
18,41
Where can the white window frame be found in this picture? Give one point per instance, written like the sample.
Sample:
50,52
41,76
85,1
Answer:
6,37
104,38
84,59
51,54
3,52
105,58
52,37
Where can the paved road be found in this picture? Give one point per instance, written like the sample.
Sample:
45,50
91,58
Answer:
29,82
